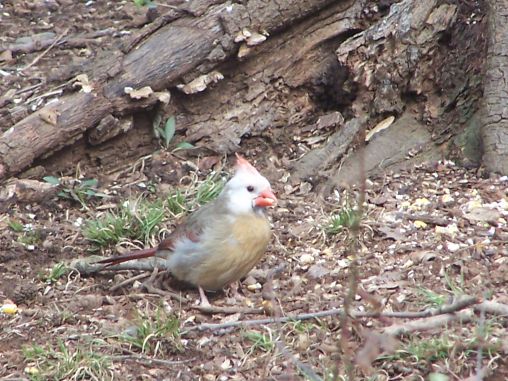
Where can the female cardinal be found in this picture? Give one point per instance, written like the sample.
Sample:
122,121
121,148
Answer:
223,240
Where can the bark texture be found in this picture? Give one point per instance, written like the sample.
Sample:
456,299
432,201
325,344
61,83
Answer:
495,112
327,68
184,48
421,65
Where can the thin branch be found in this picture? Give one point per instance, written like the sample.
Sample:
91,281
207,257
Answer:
227,310
128,281
72,42
57,39
480,336
458,305
148,360
303,368
285,319
493,308
428,323
427,218
461,304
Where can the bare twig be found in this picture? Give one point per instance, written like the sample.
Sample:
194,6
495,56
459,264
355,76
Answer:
428,323
285,319
303,368
448,309
353,276
480,336
493,308
57,39
128,281
148,360
427,218
227,310
72,42
458,305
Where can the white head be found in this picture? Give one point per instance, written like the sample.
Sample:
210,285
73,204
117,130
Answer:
248,191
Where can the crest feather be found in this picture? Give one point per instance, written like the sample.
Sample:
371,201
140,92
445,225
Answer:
244,165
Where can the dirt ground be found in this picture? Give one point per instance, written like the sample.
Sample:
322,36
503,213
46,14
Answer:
428,236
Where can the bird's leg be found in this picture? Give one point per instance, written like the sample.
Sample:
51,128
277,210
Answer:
233,290
204,299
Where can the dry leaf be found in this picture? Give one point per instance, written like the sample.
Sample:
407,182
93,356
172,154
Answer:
200,83
82,81
383,125
317,271
255,39
375,345
49,116
6,56
243,51
419,224
163,96
144,92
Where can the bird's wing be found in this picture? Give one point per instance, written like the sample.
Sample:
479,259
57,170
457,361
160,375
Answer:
192,229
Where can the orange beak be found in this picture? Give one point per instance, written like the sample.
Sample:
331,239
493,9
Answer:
265,198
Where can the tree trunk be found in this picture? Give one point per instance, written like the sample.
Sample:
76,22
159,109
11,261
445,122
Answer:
495,115
421,66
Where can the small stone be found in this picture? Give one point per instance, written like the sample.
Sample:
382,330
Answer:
452,247
250,280
306,259
226,364
317,271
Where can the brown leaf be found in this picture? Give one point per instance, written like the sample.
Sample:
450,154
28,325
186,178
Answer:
375,345
391,233
208,162
6,56
144,92
49,116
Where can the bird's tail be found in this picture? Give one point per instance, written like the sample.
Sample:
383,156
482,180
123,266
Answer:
146,253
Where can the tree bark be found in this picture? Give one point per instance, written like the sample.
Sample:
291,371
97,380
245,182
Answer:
421,65
346,64
495,112
187,46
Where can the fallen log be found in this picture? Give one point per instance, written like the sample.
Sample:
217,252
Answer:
186,46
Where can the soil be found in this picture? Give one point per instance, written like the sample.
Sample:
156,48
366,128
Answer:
436,228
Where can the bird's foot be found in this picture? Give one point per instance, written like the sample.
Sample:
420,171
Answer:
204,300
233,291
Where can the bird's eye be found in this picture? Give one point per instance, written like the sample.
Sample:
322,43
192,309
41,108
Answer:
250,188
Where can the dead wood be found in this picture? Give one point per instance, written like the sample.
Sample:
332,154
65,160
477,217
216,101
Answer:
495,122
185,47
37,44
328,155
439,315
422,65
427,324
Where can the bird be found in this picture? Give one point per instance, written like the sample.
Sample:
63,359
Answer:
223,240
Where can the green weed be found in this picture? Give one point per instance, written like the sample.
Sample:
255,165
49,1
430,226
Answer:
259,341
66,363
347,218
432,299
142,219
159,334
16,226
55,273
80,191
